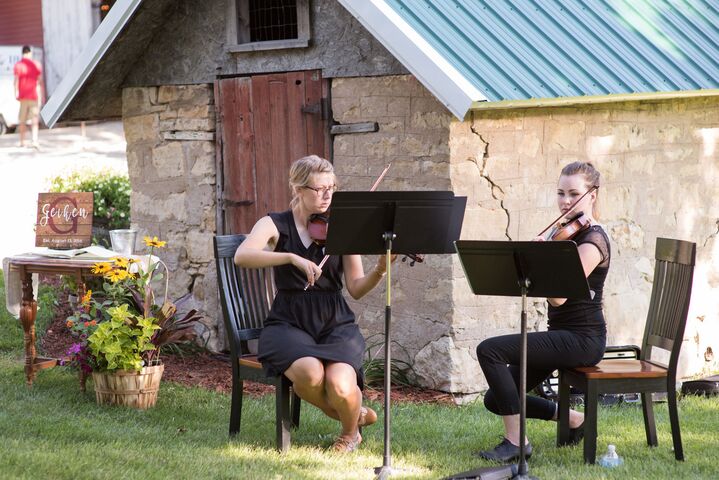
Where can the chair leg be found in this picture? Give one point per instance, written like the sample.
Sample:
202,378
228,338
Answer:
649,426
563,411
674,420
236,406
282,414
295,405
590,423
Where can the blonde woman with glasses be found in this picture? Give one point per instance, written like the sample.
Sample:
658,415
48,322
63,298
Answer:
311,335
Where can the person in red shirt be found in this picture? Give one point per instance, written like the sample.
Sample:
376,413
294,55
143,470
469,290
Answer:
28,90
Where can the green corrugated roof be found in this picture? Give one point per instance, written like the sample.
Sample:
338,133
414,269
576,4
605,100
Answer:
520,50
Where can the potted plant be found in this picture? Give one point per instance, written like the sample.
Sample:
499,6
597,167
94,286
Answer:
127,370
121,330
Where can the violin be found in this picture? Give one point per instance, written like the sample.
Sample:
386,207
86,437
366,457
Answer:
317,228
571,227
318,223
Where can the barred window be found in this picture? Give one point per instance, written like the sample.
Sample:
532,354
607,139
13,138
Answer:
273,20
268,24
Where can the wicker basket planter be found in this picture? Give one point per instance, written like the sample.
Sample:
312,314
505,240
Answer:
131,389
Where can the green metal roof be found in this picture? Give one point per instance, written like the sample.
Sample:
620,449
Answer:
523,50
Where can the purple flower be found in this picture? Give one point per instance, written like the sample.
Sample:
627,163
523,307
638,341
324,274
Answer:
75,349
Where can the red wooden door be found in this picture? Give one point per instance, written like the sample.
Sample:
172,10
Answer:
265,122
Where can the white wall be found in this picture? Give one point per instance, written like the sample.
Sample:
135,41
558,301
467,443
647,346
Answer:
67,27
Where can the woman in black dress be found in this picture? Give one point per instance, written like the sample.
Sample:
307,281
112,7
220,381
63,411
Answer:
576,333
311,335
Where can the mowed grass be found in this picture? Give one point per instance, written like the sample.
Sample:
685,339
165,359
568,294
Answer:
53,431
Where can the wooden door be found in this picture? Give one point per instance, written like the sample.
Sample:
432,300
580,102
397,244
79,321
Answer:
265,122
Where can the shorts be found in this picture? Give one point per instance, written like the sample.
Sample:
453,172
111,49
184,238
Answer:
28,111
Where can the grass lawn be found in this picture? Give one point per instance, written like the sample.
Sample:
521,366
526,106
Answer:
53,431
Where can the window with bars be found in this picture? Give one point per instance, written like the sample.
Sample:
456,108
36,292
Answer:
268,24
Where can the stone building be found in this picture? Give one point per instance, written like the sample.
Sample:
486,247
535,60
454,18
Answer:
488,106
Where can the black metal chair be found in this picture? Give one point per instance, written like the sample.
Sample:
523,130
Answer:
246,296
664,329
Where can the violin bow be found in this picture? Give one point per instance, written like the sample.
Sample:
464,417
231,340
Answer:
594,187
372,189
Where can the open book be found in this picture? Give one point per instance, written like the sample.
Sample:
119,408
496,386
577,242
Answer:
92,252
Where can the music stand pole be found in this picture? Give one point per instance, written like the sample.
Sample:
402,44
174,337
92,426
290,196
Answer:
375,223
386,469
522,470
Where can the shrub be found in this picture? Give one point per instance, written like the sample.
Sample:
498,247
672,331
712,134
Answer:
111,204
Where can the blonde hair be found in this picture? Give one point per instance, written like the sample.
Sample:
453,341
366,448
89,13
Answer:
591,179
301,170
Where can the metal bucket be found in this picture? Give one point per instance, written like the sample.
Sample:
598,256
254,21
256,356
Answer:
123,241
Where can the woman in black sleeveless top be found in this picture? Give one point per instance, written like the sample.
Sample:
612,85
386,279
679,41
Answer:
576,333
311,335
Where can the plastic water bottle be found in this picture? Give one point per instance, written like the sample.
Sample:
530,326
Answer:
610,459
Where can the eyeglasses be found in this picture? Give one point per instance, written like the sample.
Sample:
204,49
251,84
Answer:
320,191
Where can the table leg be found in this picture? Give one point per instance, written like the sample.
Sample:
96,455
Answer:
28,312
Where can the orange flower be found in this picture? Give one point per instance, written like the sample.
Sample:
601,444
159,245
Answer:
85,302
87,324
93,323
69,324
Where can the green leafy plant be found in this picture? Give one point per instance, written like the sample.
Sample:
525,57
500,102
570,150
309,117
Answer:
124,342
121,326
373,364
111,202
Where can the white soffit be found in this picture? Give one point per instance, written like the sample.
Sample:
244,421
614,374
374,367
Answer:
416,54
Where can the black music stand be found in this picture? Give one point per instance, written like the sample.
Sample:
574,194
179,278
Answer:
387,223
526,269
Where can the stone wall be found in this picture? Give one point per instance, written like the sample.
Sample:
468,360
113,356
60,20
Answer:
660,178
413,134
189,47
659,165
660,169
171,163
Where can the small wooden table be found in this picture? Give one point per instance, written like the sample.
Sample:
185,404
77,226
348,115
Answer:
27,265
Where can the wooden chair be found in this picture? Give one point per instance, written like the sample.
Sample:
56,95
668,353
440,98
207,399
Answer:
246,295
664,329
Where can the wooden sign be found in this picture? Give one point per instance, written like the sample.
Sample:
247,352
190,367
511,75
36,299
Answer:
64,220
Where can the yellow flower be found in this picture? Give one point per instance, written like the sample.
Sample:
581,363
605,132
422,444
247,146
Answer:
101,268
85,302
120,262
154,242
116,275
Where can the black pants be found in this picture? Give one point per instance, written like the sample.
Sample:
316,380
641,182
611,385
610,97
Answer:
546,352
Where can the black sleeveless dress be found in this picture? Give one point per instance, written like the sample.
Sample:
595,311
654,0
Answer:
586,316
313,323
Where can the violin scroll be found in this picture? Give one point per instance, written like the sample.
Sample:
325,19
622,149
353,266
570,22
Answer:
414,258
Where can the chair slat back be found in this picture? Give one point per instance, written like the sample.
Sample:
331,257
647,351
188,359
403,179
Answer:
246,294
671,292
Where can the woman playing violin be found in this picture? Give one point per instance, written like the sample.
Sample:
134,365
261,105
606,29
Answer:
576,333
311,335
